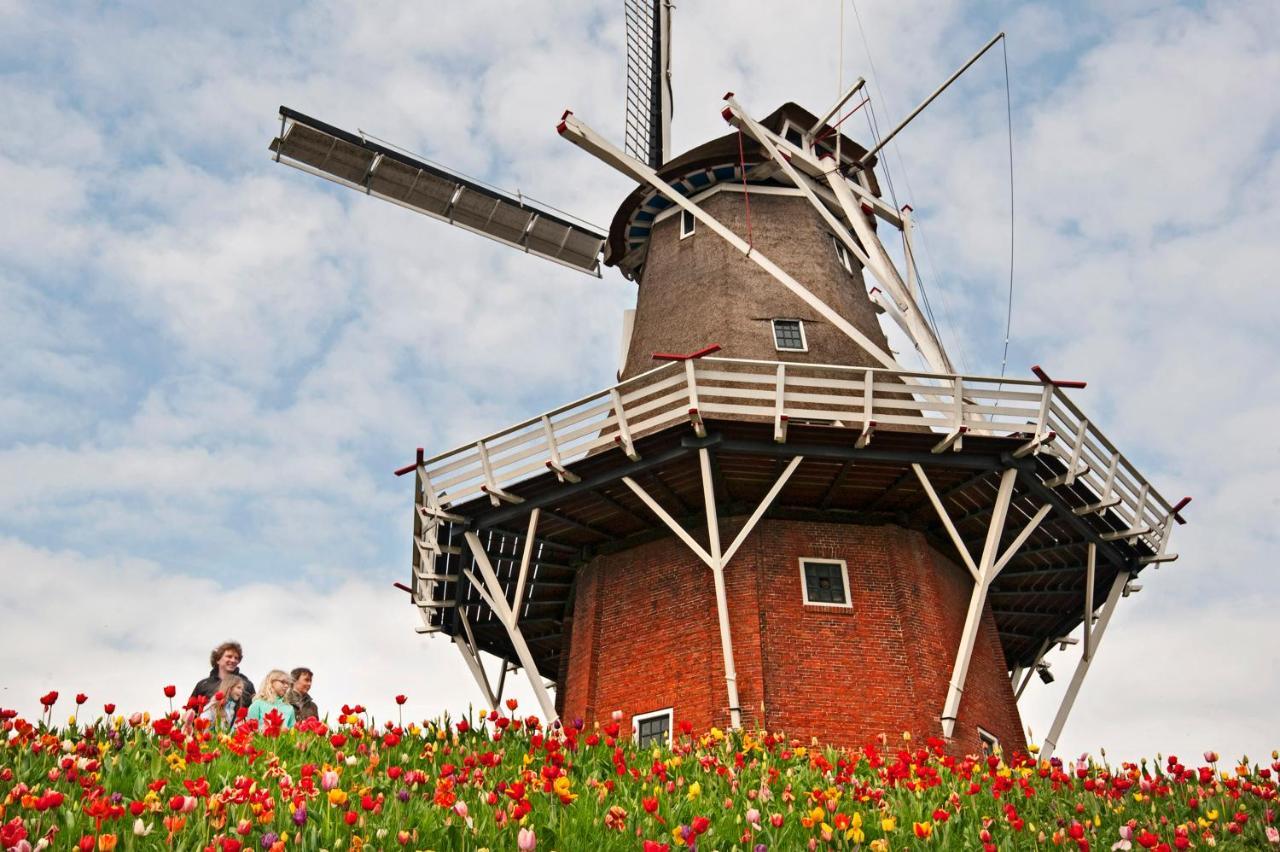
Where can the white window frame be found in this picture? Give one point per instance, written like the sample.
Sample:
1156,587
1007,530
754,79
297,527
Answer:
988,739
842,254
844,575
803,132
669,712
773,329
687,218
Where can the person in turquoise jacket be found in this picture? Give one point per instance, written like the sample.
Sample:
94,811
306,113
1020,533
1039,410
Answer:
271,696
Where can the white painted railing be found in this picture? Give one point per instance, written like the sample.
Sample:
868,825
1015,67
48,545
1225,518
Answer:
856,398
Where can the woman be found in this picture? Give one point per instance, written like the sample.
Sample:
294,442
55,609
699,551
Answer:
271,697
226,701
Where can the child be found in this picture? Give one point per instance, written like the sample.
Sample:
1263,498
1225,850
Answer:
271,697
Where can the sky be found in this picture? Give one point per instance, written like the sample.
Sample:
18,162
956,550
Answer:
211,363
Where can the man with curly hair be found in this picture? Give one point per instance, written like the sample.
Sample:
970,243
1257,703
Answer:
225,660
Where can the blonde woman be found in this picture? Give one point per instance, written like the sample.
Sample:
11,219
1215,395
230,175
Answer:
222,711
271,697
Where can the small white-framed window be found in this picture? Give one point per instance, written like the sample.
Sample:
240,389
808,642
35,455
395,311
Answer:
842,254
825,582
788,335
687,224
650,729
990,742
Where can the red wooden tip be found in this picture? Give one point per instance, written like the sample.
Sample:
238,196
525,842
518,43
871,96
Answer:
907,208
566,114
409,468
402,587
726,114
728,95
676,356
1181,504
1057,383
561,128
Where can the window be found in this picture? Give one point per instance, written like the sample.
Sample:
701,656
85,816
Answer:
990,743
825,582
793,135
687,223
652,728
842,254
788,335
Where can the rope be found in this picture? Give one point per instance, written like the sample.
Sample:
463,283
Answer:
1008,104
742,164
831,128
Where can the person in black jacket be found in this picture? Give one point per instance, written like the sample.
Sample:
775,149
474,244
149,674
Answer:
225,660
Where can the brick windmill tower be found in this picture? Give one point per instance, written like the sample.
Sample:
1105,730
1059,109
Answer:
767,520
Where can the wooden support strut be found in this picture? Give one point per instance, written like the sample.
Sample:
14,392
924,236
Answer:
1082,667
491,589
987,569
714,558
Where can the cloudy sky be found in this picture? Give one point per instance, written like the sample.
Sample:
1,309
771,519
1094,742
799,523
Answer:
210,363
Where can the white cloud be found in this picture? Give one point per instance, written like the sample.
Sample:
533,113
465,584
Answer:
119,630
211,363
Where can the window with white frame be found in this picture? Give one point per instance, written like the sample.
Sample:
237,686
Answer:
650,729
990,742
793,134
687,224
788,335
825,582
842,254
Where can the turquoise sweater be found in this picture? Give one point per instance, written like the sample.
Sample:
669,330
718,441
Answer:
260,708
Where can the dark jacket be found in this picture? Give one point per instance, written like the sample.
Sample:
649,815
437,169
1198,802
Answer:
207,687
304,706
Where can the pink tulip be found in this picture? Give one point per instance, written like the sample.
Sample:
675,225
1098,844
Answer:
1210,757
753,817
527,841
329,780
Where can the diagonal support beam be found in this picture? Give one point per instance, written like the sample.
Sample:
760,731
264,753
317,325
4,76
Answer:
672,523
977,601
471,656
497,600
945,517
762,508
1082,667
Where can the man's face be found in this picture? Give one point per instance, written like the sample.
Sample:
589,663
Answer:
228,661
302,685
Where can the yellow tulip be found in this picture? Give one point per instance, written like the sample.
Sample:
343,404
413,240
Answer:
888,824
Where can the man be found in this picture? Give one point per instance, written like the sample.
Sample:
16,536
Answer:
225,660
299,695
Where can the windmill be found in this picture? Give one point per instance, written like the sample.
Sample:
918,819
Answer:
767,520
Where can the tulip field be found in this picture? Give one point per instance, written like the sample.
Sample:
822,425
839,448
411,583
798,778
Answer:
500,781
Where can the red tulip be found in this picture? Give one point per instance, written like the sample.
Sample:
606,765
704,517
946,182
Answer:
401,699
700,824
350,817
108,709
81,698
512,704
49,698
170,691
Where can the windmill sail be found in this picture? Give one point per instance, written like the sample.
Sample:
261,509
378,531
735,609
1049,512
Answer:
648,116
374,169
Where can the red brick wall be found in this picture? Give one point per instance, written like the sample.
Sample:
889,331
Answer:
645,636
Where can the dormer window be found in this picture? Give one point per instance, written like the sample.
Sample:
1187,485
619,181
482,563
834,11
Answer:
792,134
687,224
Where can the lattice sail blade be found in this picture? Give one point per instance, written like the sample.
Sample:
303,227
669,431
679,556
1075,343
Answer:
648,113
353,161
